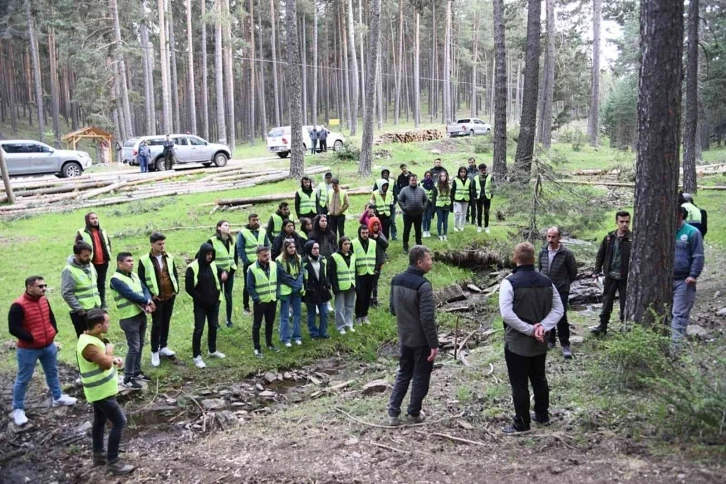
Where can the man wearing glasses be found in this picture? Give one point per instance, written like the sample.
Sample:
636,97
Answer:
32,321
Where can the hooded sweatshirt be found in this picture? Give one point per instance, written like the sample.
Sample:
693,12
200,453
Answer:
386,175
205,293
317,285
381,241
309,192
68,284
326,238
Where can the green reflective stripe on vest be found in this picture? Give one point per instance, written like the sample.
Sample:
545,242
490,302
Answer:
302,234
224,257
127,309
89,240
86,290
346,273
150,273
276,225
487,186
307,202
252,242
365,262
442,200
213,266
694,213
429,193
323,200
462,193
266,287
97,382
294,271
383,204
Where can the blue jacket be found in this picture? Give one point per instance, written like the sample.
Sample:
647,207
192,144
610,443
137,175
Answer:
241,245
689,257
126,291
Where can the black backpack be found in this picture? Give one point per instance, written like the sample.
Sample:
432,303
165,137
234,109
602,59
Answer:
704,222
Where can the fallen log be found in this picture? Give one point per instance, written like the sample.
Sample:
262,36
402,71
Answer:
61,189
625,185
101,191
278,197
472,258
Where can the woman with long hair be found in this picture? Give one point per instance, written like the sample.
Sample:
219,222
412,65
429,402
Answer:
441,200
225,257
341,271
317,289
460,194
428,187
291,289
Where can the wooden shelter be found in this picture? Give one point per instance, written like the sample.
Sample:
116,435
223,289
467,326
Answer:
103,137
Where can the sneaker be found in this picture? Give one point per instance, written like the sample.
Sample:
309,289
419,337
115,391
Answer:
566,352
273,348
441,237
216,354
229,324
511,429
342,331
298,342
258,354
19,417
478,230
405,250
99,458
247,312
166,352
541,419
417,418
119,469
131,384
142,377
394,421
64,401
366,320
331,309
446,237
155,361
486,230
351,329
288,345
551,345
599,330
199,362
324,336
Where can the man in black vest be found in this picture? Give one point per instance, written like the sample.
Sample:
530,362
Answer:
530,307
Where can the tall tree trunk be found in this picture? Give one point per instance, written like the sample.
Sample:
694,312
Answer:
6,179
205,74
353,71
362,58
528,123
54,89
175,87
253,73
544,133
37,81
297,155
167,126
593,120
263,103
379,80
433,84
315,63
346,74
304,62
500,94
650,292
690,133
275,88
125,114
146,53
190,71
218,74
447,67
399,67
374,47
475,41
417,70
229,76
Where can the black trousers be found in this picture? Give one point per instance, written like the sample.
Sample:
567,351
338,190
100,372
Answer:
79,323
323,144
608,298
336,224
416,221
101,271
160,320
563,326
210,316
523,370
104,411
481,207
364,293
227,287
377,277
386,226
168,160
412,365
245,293
267,311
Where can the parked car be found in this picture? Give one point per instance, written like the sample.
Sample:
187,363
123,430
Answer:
28,157
278,140
468,127
187,149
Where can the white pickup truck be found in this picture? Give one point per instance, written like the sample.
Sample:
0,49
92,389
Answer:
468,127
278,140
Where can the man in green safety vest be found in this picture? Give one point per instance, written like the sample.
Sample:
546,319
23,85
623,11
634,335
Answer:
133,302
98,239
274,225
305,199
364,249
264,288
248,239
98,367
383,199
321,192
157,271
79,285
481,197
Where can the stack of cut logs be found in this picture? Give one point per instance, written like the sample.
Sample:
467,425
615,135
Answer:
414,136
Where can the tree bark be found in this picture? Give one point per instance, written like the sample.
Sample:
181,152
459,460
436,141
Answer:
191,97
121,70
650,292
175,87
446,114
37,81
690,133
54,88
500,94
353,72
229,76
528,121
263,103
218,74
147,52
399,67
304,62
276,91
593,120
205,74
164,59
374,47
315,63
253,73
475,41
544,133
297,155
362,58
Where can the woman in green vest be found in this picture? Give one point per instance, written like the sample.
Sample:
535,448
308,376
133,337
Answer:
291,290
341,271
460,194
441,199
225,251
428,215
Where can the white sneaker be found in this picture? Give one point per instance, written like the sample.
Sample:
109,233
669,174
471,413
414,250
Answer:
217,354
486,230
342,331
298,342
155,361
330,308
166,352
351,329
64,401
366,320
198,362
446,237
19,417
478,230
288,345
441,237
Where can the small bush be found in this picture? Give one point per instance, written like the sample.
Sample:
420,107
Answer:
578,139
349,152
482,145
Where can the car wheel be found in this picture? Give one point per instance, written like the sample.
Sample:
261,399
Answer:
471,132
220,160
338,145
159,165
283,154
71,169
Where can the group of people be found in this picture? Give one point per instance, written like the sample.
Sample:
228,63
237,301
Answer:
144,154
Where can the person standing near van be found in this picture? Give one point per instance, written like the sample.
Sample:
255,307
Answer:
144,156
323,139
168,153
313,140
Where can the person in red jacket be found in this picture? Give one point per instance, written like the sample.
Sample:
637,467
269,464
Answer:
32,321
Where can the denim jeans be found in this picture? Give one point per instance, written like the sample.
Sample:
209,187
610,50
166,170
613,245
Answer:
144,164
105,410
27,359
322,330
684,296
427,216
442,221
344,306
295,301
394,229
135,331
413,365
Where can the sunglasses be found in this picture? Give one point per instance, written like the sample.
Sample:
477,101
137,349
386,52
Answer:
41,286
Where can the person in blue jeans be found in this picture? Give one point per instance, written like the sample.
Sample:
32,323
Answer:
291,288
317,289
32,322
428,185
441,200
144,156
687,267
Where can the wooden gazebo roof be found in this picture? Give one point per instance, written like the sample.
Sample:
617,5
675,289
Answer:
90,132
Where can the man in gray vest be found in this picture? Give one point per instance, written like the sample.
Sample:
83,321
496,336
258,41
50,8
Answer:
530,306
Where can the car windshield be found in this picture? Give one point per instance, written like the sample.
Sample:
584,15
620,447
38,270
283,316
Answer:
131,142
275,132
462,120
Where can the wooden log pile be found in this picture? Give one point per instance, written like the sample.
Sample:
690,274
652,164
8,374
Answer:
413,136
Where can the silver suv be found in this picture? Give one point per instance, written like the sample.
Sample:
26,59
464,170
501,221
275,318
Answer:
187,149
28,157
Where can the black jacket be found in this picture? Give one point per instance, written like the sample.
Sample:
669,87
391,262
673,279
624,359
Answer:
333,271
205,292
605,253
412,302
280,240
317,289
297,202
563,269
326,239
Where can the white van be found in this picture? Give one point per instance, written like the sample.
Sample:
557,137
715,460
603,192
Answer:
278,140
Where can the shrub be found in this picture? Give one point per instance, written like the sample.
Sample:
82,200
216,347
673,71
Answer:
482,145
348,152
578,139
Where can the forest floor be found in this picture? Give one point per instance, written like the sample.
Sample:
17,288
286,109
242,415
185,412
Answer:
317,413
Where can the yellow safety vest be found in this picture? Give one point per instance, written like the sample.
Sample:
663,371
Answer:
224,257
365,262
127,309
97,382
694,213
462,193
383,204
276,225
213,266
89,240
293,270
346,273
86,290
150,273
487,186
252,242
323,201
266,287
307,202
442,200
